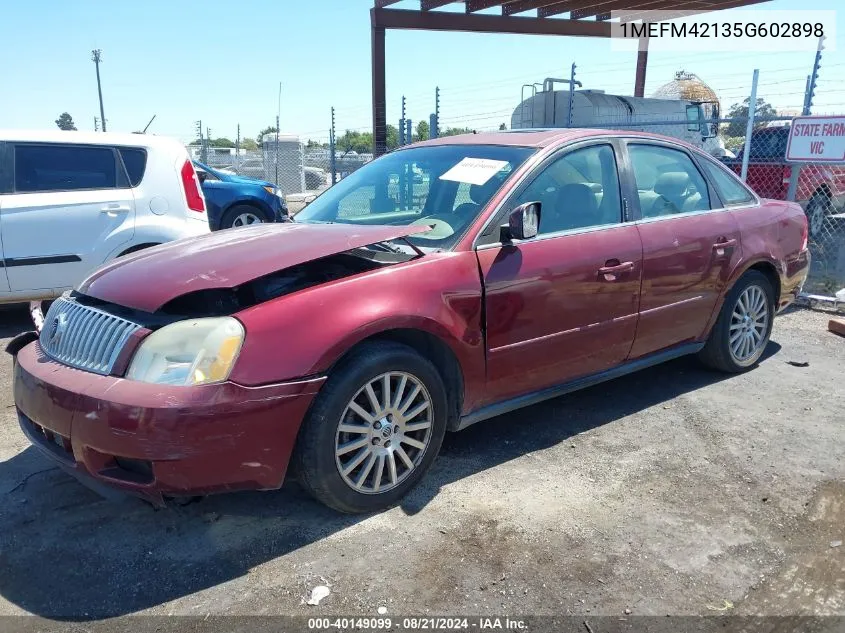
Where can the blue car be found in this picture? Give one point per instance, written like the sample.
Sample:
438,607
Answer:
235,201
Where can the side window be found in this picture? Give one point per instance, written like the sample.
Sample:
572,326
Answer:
63,168
578,190
135,161
729,187
668,182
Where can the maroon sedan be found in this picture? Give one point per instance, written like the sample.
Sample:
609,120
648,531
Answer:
438,286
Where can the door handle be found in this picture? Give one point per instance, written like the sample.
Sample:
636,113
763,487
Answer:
721,247
115,208
609,272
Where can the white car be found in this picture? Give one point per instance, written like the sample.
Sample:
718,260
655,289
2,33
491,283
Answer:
72,201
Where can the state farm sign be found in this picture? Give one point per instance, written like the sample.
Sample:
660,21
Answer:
816,139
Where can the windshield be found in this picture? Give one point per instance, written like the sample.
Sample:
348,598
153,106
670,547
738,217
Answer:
443,186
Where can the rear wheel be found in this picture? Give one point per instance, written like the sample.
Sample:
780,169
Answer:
819,208
374,429
243,215
744,326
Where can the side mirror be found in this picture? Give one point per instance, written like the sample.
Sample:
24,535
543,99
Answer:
523,223
202,176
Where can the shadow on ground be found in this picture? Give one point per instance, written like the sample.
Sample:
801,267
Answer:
65,553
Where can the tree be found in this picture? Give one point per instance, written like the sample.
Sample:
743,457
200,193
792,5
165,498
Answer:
454,131
423,131
65,122
392,137
740,111
249,144
221,142
270,129
503,127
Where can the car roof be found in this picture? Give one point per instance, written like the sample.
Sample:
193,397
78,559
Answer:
541,137
87,138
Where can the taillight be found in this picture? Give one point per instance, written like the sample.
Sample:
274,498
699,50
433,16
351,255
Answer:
192,188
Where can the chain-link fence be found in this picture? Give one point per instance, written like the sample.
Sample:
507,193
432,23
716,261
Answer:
818,187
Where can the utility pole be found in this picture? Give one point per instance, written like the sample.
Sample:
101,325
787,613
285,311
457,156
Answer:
572,83
97,57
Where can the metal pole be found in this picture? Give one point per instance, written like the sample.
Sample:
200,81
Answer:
97,56
642,66
809,93
571,93
278,116
377,36
333,150
749,128
238,150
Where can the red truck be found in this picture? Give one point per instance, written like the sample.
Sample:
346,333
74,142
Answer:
821,187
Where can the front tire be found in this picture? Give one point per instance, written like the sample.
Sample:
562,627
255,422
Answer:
744,326
243,215
374,429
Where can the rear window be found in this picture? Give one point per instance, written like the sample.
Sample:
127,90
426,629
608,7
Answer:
63,168
731,190
769,144
135,161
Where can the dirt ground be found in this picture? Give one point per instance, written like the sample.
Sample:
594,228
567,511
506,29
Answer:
675,491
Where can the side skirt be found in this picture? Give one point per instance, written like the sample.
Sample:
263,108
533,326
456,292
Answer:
506,406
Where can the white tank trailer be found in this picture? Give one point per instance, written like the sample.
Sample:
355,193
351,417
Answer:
550,108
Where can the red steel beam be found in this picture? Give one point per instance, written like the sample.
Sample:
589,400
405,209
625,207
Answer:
521,6
642,65
571,5
484,23
379,85
480,5
428,5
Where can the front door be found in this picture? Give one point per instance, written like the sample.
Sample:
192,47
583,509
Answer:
563,304
689,246
71,207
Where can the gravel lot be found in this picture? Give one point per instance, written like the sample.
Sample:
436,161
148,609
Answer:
670,491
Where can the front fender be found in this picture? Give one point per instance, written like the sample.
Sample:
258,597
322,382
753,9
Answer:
305,333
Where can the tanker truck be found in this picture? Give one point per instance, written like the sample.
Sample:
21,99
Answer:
695,122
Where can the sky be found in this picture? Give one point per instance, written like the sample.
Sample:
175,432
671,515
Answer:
222,62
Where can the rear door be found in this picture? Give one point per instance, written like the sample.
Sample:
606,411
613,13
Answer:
564,304
71,206
690,245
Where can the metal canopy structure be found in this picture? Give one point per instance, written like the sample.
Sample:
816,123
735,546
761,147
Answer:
587,18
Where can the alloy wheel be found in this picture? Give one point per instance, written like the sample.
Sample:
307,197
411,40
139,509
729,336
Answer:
384,433
246,219
749,324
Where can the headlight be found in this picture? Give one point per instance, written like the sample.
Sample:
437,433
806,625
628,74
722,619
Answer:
275,191
193,352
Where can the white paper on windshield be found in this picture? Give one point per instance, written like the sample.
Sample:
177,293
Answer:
474,171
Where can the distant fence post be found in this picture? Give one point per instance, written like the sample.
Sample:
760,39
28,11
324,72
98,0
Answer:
333,150
749,128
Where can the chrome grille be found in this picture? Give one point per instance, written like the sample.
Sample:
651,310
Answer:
84,337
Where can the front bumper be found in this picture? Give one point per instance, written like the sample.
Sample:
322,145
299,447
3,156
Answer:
157,440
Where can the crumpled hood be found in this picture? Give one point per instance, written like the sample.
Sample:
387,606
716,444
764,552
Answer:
150,278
